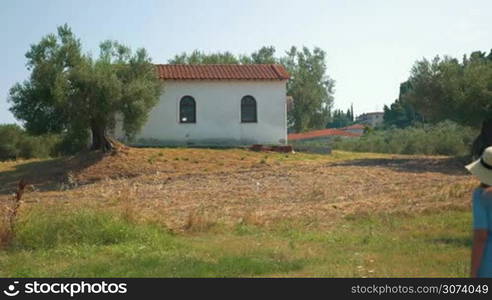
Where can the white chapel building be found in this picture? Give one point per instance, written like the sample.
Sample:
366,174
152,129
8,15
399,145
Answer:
218,105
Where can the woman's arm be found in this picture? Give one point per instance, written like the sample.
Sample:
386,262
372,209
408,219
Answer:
479,240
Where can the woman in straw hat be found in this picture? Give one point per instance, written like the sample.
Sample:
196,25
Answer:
481,262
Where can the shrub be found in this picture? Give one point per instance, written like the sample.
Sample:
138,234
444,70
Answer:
72,142
10,137
16,143
444,138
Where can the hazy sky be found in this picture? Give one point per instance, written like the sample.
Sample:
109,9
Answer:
370,45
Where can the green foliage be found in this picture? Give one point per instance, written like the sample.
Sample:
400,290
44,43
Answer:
398,114
401,113
39,146
310,87
72,141
341,119
10,138
16,143
444,138
446,88
198,57
72,92
265,55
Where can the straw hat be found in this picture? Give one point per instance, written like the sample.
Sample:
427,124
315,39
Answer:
482,168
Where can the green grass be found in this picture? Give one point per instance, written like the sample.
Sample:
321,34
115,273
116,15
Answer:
59,242
54,241
436,244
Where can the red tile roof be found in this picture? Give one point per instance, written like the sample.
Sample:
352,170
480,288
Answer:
222,72
321,133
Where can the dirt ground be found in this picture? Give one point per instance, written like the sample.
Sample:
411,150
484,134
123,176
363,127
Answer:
183,188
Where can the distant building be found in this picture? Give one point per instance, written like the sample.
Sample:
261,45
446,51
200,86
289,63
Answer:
372,119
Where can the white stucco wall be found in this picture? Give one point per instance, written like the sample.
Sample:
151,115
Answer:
218,114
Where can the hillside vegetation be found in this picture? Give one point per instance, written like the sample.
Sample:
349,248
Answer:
444,138
201,212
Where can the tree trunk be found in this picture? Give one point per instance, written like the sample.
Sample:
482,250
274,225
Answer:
483,140
99,139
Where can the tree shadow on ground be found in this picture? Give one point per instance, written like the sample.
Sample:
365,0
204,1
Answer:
47,175
448,166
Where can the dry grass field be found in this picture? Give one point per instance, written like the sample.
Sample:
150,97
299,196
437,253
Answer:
204,212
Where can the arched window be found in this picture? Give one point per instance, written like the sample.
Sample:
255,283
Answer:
187,110
248,110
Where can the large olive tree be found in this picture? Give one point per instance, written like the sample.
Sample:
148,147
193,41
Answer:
73,93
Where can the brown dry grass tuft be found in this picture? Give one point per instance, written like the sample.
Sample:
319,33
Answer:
5,233
10,211
254,218
198,222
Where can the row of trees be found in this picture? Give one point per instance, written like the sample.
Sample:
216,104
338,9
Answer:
448,89
339,118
